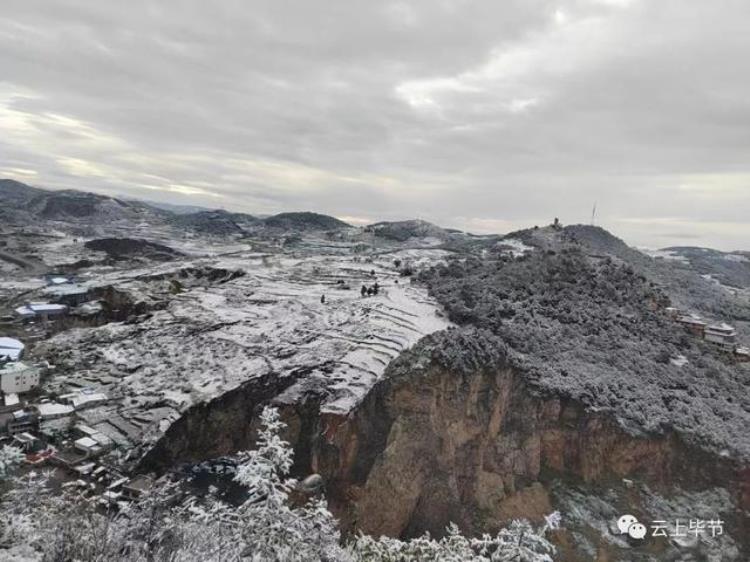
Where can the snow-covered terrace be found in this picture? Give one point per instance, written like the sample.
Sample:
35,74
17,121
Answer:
209,340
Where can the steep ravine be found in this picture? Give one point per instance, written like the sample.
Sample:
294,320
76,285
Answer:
455,432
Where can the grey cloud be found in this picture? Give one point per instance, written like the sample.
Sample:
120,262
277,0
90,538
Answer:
482,115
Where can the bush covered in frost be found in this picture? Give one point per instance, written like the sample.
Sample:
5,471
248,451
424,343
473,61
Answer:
594,329
170,525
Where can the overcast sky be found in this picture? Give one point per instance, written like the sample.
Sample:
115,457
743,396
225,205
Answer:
487,116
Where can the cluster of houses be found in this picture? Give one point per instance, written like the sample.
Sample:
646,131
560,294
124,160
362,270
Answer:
719,334
63,293
49,432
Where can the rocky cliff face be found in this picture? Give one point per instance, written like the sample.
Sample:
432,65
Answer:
457,432
443,440
563,395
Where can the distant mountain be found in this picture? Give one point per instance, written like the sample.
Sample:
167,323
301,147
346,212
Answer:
176,209
16,194
304,221
401,231
728,268
22,204
219,222
25,203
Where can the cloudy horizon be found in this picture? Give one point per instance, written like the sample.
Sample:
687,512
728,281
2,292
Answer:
482,116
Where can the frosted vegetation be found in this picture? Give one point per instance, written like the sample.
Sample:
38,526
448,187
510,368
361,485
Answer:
592,329
273,524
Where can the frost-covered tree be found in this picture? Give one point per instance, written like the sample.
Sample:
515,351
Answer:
519,542
170,526
10,458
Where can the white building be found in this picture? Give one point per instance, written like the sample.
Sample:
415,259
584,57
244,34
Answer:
88,445
721,334
18,377
42,310
84,399
53,410
10,349
93,444
70,294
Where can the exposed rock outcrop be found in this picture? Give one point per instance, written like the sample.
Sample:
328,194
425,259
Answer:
455,432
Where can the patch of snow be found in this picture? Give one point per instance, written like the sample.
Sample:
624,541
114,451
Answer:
516,247
664,254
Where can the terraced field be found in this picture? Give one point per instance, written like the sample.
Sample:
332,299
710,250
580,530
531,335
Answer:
210,338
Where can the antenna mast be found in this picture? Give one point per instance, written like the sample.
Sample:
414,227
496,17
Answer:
593,214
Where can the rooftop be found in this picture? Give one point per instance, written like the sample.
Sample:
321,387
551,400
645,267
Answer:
11,348
34,308
721,327
48,409
16,367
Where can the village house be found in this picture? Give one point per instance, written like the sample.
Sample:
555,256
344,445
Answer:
69,294
673,312
692,324
89,432
722,335
90,446
742,354
40,311
136,487
10,349
53,410
85,398
18,377
21,421
27,442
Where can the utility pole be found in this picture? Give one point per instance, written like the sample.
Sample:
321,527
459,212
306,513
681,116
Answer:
593,214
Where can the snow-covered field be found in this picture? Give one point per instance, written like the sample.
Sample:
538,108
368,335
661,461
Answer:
211,338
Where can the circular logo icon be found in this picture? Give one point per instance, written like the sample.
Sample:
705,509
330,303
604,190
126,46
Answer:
637,531
624,523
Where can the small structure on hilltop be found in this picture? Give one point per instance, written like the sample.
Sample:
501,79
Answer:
11,349
18,377
40,311
721,334
692,324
